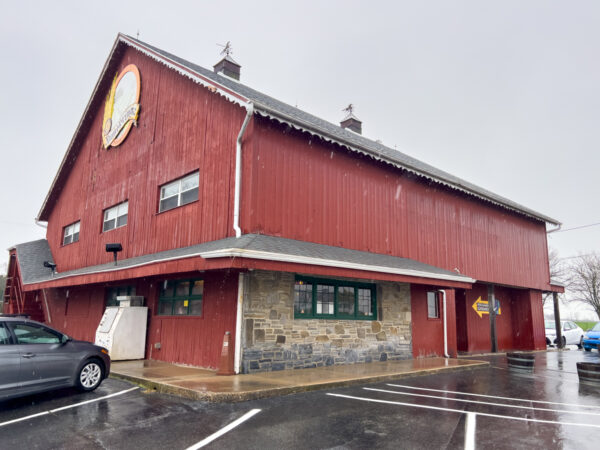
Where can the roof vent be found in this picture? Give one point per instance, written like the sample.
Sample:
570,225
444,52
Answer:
227,66
351,122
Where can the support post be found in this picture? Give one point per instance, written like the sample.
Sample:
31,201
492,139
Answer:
559,339
492,311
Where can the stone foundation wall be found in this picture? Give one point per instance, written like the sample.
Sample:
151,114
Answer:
273,340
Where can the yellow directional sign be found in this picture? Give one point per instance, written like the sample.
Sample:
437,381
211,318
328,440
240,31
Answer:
482,307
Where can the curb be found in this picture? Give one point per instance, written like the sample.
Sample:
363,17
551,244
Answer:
234,397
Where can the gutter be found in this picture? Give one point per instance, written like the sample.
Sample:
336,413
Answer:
238,170
555,229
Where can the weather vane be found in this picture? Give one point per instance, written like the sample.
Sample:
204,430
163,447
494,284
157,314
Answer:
349,109
227,49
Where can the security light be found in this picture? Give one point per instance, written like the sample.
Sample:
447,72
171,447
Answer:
114,249
50,265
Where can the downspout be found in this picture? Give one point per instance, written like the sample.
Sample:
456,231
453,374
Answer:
238,172
445,324
237,358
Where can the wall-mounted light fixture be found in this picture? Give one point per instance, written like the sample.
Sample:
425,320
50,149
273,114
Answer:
114,249
50,265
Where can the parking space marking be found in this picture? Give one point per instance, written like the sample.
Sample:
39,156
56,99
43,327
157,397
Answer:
470,431
505,405
224,430
460,411
62,408
493,396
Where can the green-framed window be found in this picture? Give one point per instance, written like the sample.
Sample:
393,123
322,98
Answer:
316,298
116,291
181,298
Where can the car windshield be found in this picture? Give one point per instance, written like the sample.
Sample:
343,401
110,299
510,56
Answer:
596,327
550,325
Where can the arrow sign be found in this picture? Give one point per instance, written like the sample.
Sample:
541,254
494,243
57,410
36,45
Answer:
482,307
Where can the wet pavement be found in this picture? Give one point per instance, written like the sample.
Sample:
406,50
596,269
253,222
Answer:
201,384
548,408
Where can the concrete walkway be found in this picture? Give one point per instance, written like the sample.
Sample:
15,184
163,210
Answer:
205,385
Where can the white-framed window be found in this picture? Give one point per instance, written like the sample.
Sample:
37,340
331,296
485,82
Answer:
115,216
71,233
179,192
433,305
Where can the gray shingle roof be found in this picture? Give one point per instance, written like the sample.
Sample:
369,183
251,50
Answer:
38,251
274,108
31,257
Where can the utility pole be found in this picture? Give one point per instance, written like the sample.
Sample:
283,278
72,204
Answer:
559,339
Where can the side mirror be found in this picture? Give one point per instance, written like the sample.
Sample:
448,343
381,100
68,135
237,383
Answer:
65,339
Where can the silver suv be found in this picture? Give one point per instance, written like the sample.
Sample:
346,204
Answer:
36,358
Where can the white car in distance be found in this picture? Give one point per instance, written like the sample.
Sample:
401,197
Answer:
572,334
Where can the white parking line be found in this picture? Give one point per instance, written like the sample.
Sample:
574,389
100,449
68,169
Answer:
438,408
51,411
224,430
493,396
504,405
470,431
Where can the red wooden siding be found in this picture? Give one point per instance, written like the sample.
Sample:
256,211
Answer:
478,328
197,340
76,310
189,340
428,334
519,326
306,189
182,127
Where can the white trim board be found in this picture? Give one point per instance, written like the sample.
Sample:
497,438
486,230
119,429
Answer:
282,257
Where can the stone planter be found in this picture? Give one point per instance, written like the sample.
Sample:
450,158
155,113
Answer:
521,361
589,372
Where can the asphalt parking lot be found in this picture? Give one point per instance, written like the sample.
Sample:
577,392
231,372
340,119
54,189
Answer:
492,407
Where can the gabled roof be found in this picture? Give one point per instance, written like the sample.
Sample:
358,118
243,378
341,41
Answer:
31,257
269,107
250,246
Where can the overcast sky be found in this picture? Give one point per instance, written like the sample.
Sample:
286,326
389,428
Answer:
504,94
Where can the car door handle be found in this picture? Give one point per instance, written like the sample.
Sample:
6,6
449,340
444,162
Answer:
28,355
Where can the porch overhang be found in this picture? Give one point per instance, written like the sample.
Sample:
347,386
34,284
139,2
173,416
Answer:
259,252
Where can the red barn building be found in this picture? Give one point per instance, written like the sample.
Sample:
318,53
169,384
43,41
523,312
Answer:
310,243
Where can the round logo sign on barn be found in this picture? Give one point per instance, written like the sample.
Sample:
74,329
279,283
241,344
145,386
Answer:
122,109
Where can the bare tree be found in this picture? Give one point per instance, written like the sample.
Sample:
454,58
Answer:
558,270
584,280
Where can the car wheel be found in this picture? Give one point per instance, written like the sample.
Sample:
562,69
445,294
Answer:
90,375
564,342
587,349
580,345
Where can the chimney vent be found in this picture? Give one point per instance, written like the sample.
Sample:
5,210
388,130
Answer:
227,66
351,121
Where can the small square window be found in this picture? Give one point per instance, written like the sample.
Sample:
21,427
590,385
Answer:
433,305
71,233
115,217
